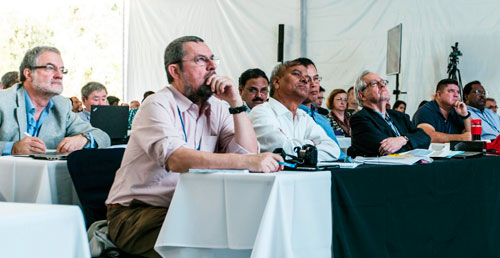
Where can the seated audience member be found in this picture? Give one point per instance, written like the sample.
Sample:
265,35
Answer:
423,102
475,98
308,104
93,93
147,94
33,115
377,130
339,118
132,112
445,118
180,127
279,123
319,102
9,79
76,104
253,87
352,102
134,104
400,106
491,104
113,101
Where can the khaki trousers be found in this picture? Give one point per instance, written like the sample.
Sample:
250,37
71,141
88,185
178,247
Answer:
134,229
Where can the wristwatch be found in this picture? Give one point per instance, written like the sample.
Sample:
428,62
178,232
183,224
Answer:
238,110
466,116
87,136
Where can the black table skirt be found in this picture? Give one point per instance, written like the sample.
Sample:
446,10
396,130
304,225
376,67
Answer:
445,209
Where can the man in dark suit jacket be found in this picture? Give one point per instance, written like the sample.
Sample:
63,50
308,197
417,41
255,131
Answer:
377,131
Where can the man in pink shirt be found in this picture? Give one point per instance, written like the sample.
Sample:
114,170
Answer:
180,127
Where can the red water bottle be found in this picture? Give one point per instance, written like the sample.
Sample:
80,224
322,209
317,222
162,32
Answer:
476,129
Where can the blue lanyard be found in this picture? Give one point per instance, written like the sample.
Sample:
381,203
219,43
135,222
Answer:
184,129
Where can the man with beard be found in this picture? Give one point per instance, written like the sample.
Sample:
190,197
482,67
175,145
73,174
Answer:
475,98
445,118
179,127
377,130
280,123
33,115
254,87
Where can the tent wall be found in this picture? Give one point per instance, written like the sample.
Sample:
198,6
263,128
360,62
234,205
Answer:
343,38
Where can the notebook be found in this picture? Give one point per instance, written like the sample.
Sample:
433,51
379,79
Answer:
111,119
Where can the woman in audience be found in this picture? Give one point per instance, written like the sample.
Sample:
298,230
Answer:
400,106
339,118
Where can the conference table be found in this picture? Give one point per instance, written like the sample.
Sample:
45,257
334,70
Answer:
23,179
285,214
449,208
42,231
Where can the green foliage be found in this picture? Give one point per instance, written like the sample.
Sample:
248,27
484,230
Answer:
89,35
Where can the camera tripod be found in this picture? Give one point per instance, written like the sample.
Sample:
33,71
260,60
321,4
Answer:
453,71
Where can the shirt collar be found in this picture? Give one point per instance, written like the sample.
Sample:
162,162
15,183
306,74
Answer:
30,108
280,109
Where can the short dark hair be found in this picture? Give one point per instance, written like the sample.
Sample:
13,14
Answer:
112,100
305,62
9,79
468,87
350,88
175,52
442,84
147,94
398,103
251,74
490,99
321,89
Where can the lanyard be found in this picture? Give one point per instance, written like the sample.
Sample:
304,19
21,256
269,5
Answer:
184,130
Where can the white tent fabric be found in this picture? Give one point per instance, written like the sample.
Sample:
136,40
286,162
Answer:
343,38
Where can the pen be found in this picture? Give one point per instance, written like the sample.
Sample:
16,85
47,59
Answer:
287,164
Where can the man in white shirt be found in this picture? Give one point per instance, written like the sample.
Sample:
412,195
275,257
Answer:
279,123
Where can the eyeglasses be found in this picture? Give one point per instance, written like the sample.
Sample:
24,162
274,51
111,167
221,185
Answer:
480,92
377,83
341,99
51,68
202,60
490,107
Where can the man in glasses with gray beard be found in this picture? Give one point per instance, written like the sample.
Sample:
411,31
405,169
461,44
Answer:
180,127
33,115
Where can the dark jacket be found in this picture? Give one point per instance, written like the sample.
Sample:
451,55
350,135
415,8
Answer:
369,129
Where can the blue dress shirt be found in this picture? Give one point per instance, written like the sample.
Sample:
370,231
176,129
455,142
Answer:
490,124
33,126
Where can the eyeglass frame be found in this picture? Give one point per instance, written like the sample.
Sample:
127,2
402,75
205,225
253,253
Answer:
375,83
206,60
54,68
484,92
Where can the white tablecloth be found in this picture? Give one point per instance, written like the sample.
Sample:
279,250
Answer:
24,179
286,214
37,230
